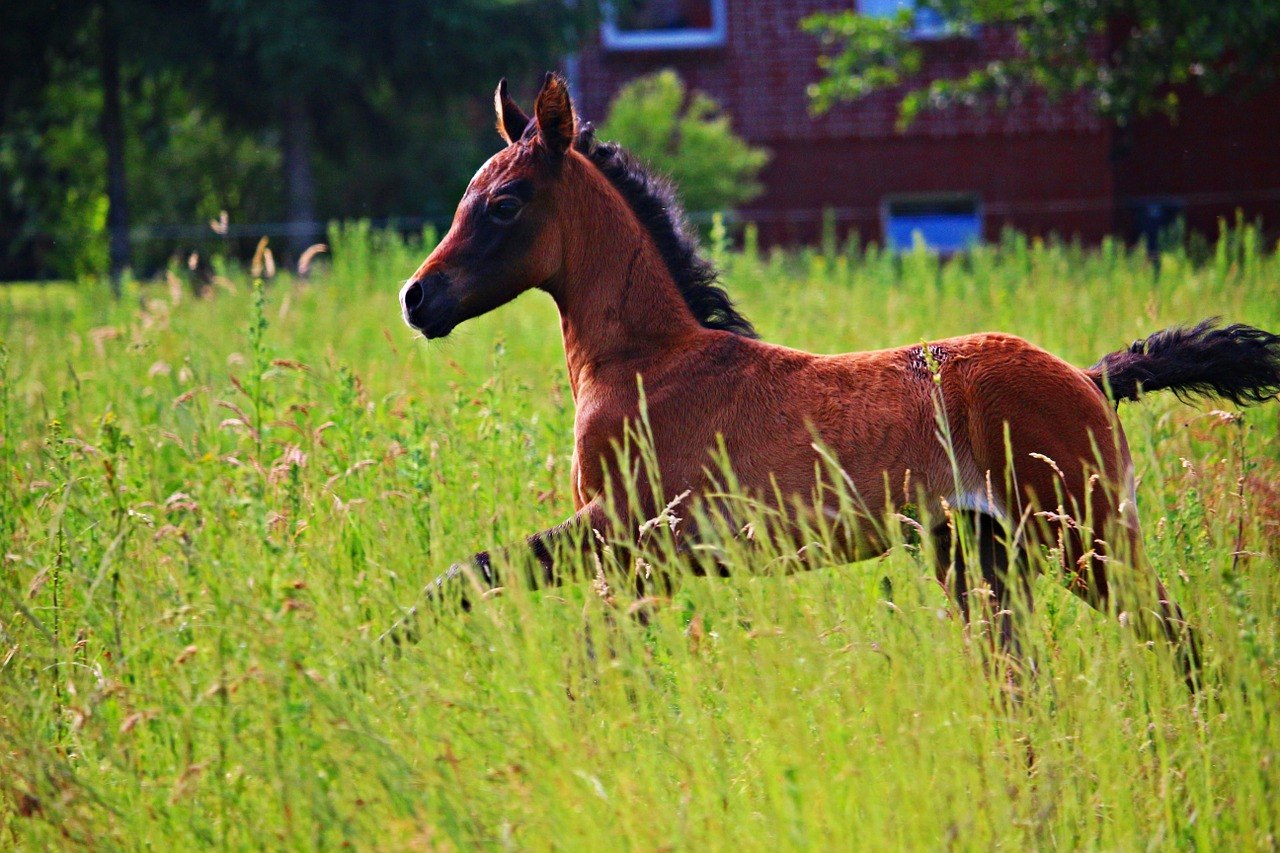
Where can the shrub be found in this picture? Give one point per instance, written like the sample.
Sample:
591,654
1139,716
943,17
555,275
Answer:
688,137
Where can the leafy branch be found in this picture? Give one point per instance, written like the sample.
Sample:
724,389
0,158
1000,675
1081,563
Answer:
1126,57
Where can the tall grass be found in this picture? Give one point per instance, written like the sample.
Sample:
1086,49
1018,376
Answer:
210,508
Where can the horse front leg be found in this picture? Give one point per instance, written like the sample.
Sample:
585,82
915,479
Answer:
465,582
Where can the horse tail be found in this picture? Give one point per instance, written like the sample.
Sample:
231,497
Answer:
1237,362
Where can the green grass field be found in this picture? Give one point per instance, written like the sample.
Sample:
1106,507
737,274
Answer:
210,508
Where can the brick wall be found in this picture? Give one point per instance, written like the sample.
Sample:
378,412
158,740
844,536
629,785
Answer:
1221,154
1037,166
761,73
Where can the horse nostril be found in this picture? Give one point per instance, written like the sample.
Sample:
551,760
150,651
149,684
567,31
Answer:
427,305
413,296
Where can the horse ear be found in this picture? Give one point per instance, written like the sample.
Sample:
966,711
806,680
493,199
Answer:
511,119
554,113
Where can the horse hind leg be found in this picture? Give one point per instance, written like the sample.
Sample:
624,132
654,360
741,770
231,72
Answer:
970,539
1120,581
1097,534
1071,475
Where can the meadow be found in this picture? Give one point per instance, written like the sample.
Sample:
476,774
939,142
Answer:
211,508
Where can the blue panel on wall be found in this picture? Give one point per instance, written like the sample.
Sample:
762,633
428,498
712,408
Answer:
943,232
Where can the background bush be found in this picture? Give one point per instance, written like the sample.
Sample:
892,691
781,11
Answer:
687,137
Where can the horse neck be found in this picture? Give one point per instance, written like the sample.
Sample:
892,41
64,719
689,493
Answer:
619,306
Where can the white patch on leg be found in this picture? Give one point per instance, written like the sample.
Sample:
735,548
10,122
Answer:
979,502
1128,509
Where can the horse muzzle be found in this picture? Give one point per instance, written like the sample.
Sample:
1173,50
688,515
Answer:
427,305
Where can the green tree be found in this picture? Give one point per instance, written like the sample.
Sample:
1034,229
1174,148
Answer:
74,74
185,164
687,137
365,110
38,43
394,78
1127,56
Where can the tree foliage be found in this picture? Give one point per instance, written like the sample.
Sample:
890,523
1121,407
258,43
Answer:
185,166
1128,57
686,136
392,117
374,104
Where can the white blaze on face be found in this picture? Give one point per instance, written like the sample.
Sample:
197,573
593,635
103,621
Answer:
488,171
481,174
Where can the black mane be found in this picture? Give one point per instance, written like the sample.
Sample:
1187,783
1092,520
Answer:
653,200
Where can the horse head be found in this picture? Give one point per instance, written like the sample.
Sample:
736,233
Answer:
505,237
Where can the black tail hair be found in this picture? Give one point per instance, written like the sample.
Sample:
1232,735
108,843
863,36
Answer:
1237,362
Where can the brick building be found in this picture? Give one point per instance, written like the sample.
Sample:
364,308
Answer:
1037,166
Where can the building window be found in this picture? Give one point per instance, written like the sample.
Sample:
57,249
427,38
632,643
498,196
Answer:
663,24
946,223
926,23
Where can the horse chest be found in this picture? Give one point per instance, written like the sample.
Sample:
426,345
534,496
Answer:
606,422
598,426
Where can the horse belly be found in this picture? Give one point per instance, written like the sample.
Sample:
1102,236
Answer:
853,464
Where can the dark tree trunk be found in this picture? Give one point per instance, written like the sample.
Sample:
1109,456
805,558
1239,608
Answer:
113,139
300,187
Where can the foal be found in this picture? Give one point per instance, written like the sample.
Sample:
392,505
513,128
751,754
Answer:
1035,458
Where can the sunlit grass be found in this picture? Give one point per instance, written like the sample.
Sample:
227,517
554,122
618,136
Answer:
203,536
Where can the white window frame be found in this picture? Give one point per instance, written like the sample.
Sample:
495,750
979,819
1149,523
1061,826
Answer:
934,32
613,38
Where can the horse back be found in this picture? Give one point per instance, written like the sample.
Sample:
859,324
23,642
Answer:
957,419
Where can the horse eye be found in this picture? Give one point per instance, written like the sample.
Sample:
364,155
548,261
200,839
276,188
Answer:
504,209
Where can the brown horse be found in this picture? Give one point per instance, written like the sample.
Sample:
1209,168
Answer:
1034,456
